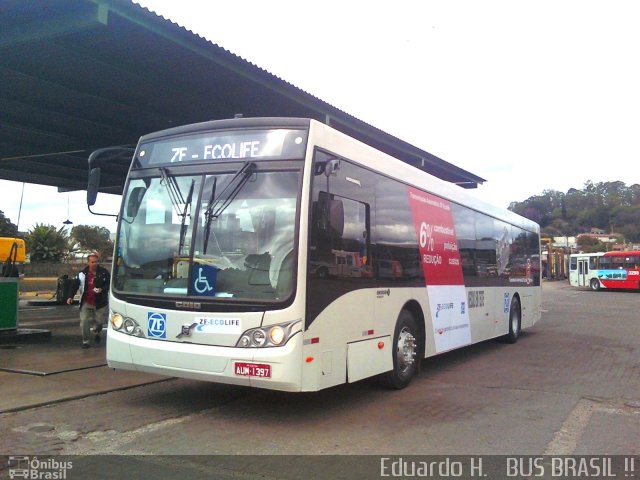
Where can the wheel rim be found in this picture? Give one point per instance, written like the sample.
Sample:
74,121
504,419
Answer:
406,352
515,320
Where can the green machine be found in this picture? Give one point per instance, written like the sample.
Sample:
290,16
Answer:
12,254
8,303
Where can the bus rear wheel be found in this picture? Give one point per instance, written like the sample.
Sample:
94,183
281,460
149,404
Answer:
515,321
405,349
594,284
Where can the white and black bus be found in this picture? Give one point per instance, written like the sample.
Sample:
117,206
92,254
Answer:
281,253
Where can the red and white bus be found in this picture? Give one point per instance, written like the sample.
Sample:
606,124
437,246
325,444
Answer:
612,270
280,253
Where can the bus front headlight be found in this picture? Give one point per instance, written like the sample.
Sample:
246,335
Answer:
270,336
258,337
129,325
276,335
126,325
116,321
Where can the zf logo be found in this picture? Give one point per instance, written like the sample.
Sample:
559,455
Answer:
157,324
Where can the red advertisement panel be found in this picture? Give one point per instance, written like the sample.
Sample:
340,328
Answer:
433,221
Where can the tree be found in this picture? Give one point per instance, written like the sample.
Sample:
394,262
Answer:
45,243
610,206
626,220
7,229
93,238
590,245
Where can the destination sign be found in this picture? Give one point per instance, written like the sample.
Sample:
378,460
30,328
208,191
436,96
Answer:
211,146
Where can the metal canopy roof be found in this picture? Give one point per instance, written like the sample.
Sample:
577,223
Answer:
77,75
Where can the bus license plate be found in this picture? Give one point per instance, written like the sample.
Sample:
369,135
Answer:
260,370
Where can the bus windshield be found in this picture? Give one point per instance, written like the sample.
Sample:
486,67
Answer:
221,236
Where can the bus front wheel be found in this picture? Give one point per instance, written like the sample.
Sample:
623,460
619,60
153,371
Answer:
515,321
405,350
595,284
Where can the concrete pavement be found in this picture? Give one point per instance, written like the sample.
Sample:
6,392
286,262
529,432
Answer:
40,287
569,387
41,372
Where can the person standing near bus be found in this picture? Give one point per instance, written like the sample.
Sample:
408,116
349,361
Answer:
93,283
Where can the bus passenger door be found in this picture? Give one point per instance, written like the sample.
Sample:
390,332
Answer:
583,272
340,310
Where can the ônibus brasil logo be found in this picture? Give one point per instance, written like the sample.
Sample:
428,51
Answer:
22,466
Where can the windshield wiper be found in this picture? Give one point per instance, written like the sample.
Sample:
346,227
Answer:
175,195
230,192
183,224
207,215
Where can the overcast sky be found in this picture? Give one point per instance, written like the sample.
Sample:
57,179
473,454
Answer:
528,95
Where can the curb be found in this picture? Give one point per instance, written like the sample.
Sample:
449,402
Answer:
46,293
81,396
39,279
20,335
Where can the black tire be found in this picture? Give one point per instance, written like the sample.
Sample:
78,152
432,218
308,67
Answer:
322,272
594,284
405,351
515,321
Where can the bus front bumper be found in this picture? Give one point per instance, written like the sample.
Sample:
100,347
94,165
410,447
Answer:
209,363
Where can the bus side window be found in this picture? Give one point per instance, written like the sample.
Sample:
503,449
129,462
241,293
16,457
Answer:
340,237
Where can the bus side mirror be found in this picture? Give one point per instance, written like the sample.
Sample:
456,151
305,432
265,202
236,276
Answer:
331,167
135,200
327,168
92,186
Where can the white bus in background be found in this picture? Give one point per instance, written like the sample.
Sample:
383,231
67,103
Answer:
225,224
606,270
583,268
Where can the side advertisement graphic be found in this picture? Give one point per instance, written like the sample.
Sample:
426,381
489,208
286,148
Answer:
440,259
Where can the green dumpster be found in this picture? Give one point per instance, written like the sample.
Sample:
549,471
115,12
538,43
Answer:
8,303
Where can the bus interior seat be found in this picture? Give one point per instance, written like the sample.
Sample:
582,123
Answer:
258,266
285,276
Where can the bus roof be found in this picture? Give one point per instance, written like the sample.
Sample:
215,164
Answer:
377,159
414,176
231,123
629,253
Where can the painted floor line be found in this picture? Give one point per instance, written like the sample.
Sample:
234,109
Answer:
566,439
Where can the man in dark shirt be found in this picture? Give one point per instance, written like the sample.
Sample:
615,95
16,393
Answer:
93,283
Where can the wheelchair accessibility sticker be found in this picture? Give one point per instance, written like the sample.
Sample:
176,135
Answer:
157,323
203,280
